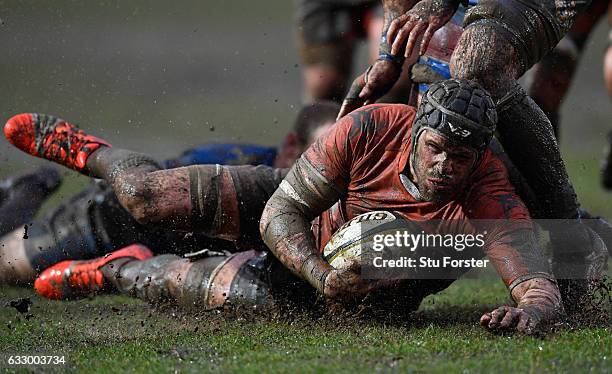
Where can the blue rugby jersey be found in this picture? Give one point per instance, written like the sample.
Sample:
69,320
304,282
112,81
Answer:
225,154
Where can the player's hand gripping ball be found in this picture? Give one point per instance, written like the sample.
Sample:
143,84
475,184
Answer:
346,250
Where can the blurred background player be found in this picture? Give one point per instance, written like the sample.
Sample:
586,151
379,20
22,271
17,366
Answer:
552,76
329,32
93,222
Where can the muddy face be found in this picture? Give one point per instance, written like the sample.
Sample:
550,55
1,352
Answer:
440,168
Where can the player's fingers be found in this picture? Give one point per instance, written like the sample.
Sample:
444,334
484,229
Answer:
367,92
395,26
431,29
414,36
496,316
509,319
402,35
485,319
521,326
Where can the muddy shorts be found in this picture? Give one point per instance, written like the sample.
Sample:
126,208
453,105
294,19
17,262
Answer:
328,30
227,201
533,27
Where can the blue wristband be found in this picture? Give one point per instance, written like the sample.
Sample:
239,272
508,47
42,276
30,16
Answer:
397,60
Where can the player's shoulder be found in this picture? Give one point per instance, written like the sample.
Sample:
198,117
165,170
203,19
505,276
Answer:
492,170
382,118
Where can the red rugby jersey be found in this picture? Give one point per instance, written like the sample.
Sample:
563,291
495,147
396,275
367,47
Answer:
364,154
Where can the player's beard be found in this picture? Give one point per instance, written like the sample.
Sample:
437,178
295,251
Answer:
428,192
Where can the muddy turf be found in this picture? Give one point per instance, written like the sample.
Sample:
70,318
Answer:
159,78
117,334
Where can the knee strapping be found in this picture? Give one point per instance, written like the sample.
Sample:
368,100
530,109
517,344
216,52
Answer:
204,184
127,161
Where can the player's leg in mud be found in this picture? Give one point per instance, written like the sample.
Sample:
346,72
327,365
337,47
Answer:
68,231
552,76
63,233
516,35
209,199
21,195
250,279
524,130
200,198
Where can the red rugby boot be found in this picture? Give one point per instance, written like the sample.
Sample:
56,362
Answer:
52,138
73,279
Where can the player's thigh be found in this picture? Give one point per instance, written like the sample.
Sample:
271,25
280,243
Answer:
531,27
254,185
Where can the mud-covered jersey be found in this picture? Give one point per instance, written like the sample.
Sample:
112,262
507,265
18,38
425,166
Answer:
365,155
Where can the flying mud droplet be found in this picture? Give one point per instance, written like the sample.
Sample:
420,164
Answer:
25,231
22,304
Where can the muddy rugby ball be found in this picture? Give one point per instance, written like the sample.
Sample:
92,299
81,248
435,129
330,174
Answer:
356,237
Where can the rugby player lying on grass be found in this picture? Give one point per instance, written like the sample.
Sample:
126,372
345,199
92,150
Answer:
367,161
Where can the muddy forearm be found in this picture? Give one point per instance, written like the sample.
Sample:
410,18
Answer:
518,257
540,295
285,225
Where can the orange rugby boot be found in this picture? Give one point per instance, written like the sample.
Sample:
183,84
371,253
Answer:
73,279
52,138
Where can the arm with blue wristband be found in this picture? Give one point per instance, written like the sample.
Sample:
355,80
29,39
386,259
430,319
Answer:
405,22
